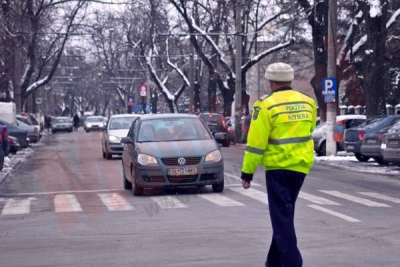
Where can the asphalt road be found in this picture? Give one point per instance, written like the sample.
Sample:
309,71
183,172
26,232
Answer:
66,206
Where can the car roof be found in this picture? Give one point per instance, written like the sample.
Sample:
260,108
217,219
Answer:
167,116
125,115
62,118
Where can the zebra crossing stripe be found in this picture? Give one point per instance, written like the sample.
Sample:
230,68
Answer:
66,203
359,200
115,202
252,193
221,200
380,196
334,213
317,200
168,202
17,206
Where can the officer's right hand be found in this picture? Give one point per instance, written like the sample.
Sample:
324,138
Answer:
245,184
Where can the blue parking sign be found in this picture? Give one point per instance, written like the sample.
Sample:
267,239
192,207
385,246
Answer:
329,89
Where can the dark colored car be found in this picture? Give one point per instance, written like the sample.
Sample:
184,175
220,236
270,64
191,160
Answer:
17,132
4,136
216,124
231,131
353,137
371,145
171,150
391,145
13,144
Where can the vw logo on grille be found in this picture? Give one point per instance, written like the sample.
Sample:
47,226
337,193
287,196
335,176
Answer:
182,161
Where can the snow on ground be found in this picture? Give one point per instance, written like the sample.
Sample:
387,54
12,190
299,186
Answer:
349,162
11,161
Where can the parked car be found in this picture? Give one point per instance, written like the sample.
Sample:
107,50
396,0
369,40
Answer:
116,129
216,124
33,132
29,121
231,131
13,144
94,123
391,145
17,132
371,145
4,136
171,150
319,133
354,136
61,124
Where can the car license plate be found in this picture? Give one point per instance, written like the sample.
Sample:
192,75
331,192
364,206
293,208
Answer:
182,171
393,142
350,147
371,141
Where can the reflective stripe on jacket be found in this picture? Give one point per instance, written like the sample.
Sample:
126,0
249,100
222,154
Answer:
280,133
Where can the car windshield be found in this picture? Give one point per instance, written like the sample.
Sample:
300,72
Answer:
172,129
121,123
62,120
94,119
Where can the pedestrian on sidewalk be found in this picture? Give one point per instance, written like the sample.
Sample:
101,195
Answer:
280,140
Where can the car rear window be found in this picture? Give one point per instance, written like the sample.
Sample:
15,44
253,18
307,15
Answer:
172,129
211,118
121,123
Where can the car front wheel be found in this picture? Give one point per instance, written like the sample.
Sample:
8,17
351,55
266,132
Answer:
136,190
218,188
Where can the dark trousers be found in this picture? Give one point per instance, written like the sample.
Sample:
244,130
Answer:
283,187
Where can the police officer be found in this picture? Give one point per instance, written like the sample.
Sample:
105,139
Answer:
280,140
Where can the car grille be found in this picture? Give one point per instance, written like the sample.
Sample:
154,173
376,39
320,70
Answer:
174,161
352,136
182,179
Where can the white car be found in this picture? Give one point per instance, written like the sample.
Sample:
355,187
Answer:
94,123
117,128
61,124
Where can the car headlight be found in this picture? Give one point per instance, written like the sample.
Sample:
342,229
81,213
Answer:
144,159
214,156
88,125
101,125
114,139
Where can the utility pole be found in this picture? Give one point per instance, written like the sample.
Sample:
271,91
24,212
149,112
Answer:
331,71
237,112
191,74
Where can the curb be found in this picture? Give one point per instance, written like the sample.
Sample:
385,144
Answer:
4,175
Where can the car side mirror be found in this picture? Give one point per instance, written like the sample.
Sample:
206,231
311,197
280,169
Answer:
126,140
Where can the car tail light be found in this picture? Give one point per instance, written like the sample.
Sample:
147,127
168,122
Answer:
210,115
230,129
362,134
380,137
223,122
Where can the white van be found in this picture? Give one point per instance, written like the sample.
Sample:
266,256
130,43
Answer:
8,112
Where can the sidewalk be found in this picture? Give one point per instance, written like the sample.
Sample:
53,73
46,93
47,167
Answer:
12,161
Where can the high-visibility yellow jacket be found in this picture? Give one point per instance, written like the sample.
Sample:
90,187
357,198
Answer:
280,133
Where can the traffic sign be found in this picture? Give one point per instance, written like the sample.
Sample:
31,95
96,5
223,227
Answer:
329,89
143,90
38,101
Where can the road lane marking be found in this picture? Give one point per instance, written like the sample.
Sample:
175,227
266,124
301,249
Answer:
63,192
168,202
334,213
317,200
238,178
115,201
359,200
66,203
17,206
252,193
380,196
221,200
